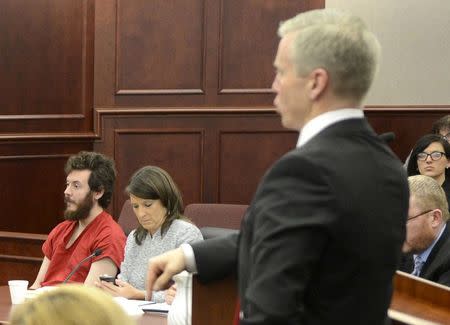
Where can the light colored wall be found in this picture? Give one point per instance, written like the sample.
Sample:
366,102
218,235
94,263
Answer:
414,35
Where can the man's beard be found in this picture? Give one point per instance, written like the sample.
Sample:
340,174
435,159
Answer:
83,209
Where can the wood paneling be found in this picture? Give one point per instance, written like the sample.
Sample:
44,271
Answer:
160,47
32,183
178,151
248,42
34,171
244,158
20,256
219,298
215,157
408,124
418,301
218,53
46,61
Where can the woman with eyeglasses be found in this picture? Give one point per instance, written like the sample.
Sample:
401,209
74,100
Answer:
430,157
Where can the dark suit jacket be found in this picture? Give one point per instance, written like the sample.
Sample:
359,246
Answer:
437,266
322,237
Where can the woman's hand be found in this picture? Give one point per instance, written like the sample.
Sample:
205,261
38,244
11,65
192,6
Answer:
121,289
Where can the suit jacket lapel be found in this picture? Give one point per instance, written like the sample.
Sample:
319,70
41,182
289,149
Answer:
432,260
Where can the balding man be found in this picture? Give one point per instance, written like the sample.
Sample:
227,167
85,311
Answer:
427,244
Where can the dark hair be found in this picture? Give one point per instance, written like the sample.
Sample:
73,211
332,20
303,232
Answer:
103,173
420,146
442,124
151,182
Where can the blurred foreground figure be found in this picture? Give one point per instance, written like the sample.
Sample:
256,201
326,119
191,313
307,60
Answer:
69,305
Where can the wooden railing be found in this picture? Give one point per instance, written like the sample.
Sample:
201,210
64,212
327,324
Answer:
20,255
419,301
415,301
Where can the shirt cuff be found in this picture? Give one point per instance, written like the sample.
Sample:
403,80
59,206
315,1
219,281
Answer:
189,258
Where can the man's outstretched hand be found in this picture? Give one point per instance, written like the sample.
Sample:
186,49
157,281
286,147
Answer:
162,268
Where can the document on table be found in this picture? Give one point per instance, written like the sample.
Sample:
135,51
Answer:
156,307
138,307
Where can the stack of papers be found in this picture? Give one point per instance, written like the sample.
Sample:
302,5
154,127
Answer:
138,307
156,307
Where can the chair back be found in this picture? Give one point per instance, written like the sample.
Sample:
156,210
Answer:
127,219
216,214
211,218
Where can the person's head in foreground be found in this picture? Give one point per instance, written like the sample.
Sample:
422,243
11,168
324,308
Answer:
70,305
326,60
427,215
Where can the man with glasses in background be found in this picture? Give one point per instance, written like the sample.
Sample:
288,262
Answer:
427,245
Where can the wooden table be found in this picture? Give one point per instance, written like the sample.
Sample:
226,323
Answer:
6,307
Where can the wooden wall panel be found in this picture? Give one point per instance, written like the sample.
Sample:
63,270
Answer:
249,42
178,151
32,183
34,171
46,61
217,54
245,156
214,157
408,124
160,47
20,256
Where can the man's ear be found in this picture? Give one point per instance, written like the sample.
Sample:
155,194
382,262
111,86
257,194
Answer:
437,218
318,83
99,194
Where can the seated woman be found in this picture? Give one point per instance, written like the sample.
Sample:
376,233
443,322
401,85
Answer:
70,304
430,157
157,203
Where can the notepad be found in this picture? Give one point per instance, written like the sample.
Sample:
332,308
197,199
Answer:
156,308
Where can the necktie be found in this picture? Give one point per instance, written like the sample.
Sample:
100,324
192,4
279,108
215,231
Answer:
418,263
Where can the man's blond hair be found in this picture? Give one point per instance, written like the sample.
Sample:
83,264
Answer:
338,42
429,194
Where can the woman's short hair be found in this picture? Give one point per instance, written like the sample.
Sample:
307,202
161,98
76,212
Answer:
151,182
70,304
420,146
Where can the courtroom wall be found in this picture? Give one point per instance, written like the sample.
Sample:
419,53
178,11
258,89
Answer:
412,86
184,84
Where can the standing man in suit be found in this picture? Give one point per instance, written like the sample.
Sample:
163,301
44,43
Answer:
322,237
427,244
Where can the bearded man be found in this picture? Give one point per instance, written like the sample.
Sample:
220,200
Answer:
87,228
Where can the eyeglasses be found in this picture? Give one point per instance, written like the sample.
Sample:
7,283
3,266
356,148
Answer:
418,215
435,155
